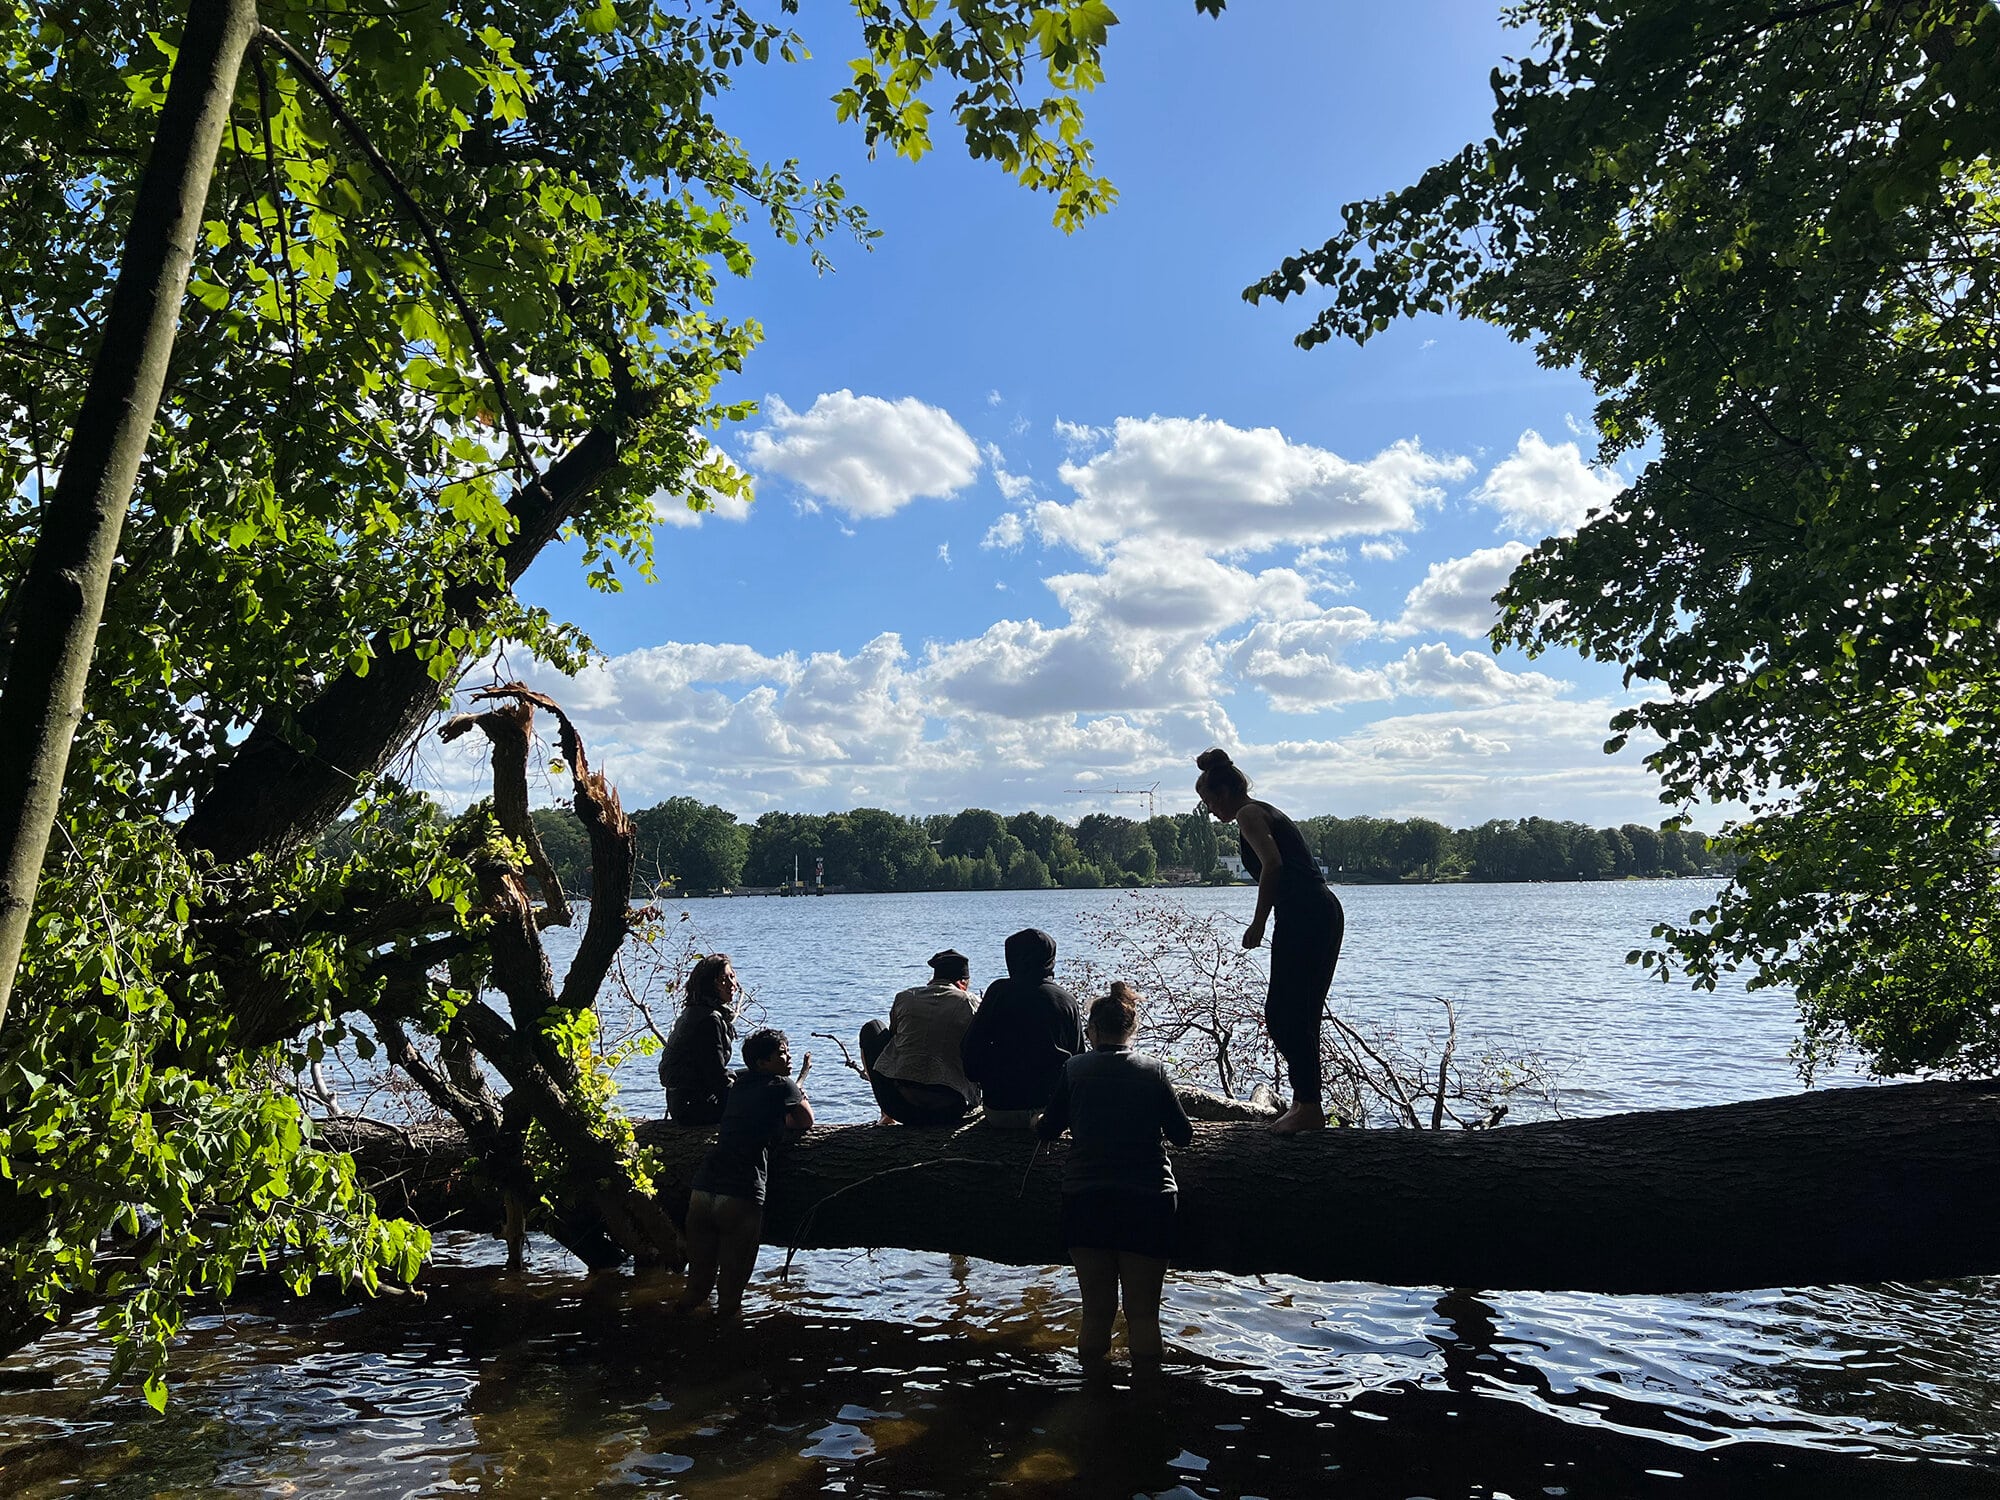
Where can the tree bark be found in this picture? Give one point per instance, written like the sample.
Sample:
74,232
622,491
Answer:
61,597
1844,1185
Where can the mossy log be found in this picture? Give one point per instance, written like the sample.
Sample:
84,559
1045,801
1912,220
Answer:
1846,1185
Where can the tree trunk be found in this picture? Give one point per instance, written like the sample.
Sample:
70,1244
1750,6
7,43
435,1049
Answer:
61,597
1844,1185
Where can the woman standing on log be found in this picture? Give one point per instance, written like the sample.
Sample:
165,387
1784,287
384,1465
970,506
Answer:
694,1069
1119,1194
1310,923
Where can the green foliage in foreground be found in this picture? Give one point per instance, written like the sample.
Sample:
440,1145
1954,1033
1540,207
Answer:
1769,234
337,482
145,1155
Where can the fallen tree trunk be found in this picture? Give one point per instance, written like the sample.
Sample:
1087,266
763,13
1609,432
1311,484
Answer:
1845,1185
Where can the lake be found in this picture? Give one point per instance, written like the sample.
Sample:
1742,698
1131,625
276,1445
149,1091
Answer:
891,1373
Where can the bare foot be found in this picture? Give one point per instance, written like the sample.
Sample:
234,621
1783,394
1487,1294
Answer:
1298,1120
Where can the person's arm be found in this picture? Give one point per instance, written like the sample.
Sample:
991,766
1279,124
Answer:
798,1113
975,1047
1174,1123
1255,824
1055,1119
718,1076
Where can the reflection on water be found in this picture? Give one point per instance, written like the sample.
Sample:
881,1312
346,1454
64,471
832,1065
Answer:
900,1374
931,1375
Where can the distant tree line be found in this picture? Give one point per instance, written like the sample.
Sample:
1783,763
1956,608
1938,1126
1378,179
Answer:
1385,849
690,845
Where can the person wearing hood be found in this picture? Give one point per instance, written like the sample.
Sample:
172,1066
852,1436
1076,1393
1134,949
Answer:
1026,1028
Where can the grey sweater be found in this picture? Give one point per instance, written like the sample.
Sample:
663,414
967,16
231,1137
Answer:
1120,1108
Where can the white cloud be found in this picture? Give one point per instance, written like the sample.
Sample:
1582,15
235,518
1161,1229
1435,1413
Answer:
1298,664
944,553
1545,489
1023,670
1161,620
1076,436
1468,677
1154,588
1457,595
1232,490
1447,741
865,455
955,729
1007,533
1013,487
994,398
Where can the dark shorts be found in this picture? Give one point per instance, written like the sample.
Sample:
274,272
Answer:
1137,1223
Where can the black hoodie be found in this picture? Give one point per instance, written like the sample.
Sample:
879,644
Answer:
1026,1028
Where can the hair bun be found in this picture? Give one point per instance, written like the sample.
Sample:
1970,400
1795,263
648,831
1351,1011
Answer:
1213,760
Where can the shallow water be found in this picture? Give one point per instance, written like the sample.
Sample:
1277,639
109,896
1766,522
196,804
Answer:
894,1373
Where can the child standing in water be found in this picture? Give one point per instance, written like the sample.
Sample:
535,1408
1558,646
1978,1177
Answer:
725,1221
1119,1194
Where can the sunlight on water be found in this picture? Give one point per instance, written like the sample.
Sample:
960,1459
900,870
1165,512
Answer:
891,1373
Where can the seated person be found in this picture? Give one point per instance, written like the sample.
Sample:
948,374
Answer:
694,1069
913,1062
1026,1028
725,1220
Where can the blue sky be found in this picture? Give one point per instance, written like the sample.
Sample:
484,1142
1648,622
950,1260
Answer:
1038,512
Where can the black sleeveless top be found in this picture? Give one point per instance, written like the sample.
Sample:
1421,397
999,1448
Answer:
1299,880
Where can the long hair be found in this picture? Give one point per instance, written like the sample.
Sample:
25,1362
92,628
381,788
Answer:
701,985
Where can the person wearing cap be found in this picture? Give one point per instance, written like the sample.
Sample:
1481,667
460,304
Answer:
913,1062
1026,1028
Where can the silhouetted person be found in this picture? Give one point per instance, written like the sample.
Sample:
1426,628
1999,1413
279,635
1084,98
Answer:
694,1069
1310,924
913,1062
1118,1192
1026,1028
725,1219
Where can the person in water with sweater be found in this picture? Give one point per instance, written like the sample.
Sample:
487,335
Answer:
1118,1193
1026,1028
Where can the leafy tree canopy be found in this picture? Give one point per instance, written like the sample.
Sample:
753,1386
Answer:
453,298
1769,234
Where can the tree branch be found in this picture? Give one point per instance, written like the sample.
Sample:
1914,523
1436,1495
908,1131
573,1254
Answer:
321,85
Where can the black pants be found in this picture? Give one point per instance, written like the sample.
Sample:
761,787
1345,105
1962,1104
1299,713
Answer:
909,1103
1305,947
694,1109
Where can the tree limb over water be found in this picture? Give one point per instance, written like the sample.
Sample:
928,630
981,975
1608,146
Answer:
1845,1185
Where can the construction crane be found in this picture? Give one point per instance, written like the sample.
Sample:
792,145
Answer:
1148,792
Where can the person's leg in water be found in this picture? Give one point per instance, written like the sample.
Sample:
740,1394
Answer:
741,1222
1097,1280
704,1244
1139,1281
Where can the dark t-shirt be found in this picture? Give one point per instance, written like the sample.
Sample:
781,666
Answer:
737,1164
